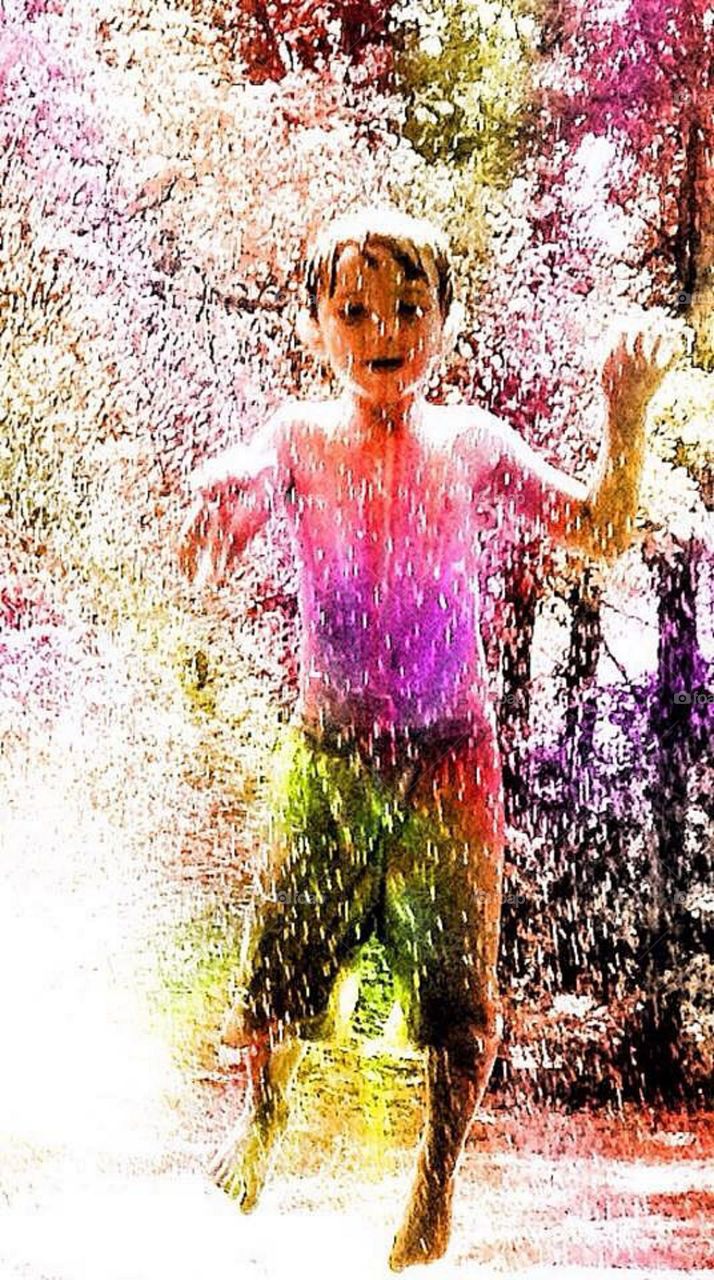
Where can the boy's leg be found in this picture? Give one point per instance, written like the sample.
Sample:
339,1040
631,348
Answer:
241,1165
318,890
442,918
456,1082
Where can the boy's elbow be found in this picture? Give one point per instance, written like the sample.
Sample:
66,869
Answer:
600,540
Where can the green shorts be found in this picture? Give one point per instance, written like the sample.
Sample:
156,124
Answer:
405,841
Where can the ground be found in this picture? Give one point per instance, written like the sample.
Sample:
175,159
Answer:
105,1136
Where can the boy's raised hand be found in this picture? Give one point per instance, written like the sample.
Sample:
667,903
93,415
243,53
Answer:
636,365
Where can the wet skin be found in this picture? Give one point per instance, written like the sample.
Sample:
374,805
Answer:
385,497
384,539
388,493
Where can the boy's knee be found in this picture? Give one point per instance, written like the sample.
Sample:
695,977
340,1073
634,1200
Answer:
243,1047
468,1034
235,1034
242,1031
489,1018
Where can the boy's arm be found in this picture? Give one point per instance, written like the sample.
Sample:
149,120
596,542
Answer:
523,495
598,519
234,495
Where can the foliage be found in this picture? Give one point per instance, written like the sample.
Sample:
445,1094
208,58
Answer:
464,67
273,39
636,88
162,173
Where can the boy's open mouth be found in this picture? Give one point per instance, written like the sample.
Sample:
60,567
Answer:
385,363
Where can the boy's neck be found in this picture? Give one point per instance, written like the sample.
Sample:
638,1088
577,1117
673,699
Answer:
375,420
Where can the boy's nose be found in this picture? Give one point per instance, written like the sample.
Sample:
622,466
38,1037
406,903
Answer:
384,325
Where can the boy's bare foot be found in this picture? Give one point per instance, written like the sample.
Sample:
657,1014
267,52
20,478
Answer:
240,1167
425,1230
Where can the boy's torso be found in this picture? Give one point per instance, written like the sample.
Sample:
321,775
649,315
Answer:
386,541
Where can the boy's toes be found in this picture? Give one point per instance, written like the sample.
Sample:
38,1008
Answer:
233,1183
240,1172
228,1177
216,1167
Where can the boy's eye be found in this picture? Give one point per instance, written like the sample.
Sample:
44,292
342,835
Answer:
410,310
353,312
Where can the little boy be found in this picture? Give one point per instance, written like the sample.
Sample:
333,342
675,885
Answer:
388,807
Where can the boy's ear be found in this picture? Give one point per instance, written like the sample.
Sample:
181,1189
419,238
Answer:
453,325
309,333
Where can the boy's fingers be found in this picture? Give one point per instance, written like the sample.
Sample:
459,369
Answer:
666,352
657,344
674,348
651,346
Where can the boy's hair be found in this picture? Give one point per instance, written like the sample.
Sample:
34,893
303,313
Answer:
407,239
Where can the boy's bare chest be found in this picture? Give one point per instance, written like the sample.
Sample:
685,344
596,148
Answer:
406,506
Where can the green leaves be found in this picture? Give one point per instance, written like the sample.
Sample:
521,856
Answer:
464,70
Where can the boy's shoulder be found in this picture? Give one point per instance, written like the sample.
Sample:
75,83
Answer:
299,418
308,413
447,427
464,427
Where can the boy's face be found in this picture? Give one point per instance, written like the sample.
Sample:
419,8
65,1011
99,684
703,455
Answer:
380,330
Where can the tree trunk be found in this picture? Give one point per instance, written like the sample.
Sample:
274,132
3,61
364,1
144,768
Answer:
694,243
676,726
512,645
520,604
576,839
581,670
